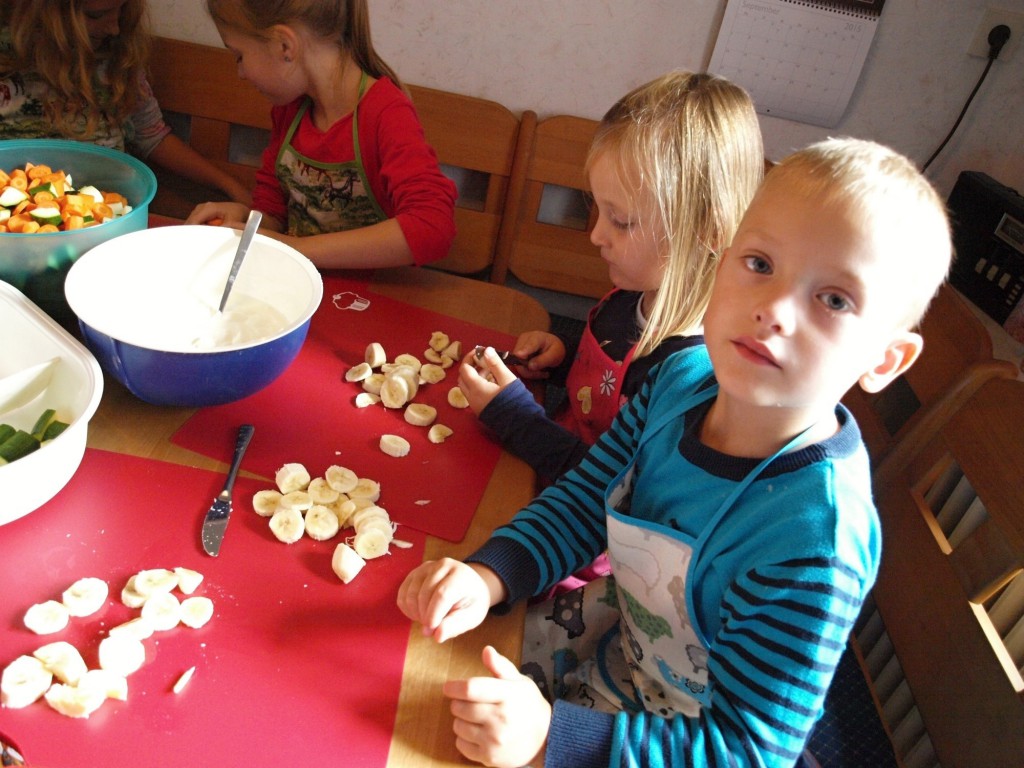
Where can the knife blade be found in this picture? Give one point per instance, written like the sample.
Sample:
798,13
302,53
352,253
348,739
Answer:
216,521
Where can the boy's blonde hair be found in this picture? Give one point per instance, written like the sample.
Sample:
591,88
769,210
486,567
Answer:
49,39
689,146
890,196
346,22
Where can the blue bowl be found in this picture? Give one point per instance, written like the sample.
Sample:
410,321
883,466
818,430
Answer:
146,305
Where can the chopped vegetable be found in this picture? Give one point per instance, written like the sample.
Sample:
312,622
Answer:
38,199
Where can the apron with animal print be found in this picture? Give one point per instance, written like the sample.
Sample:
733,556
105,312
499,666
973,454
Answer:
326,197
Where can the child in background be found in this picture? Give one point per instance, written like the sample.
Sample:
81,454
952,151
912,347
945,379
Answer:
348,177
672,167
733,494
75,69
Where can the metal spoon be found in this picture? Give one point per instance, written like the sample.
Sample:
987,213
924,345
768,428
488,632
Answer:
251,225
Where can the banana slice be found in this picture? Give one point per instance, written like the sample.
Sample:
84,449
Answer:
447,362
378,524
372,512
431,373
343,509
62,660
409,360
365,489
85,596
196,611
181,682
432,356
23,681
420,414
457,399
287,525
394,445
297,500
411,376
359,372
375,356
321,523
264,503
438,341
138,628
162,610
438,433
71,701
130,597
121,655
109,683
154,581
292,477
371,543
47,618
341,479
394,391
345,563
321,492
373,385
366,399
453,350
188,580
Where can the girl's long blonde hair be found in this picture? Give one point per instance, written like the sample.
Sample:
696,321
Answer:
347,22
49,39
688,148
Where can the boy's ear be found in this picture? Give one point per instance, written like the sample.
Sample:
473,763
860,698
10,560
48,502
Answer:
900,354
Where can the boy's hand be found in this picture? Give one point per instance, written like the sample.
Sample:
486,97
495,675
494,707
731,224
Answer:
479,391
500,721
229,214
544,350
447,597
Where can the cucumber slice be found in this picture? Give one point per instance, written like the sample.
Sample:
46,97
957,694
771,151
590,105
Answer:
44,187
6,430
20,444
94,193
46,215
11,197
53,429
43,422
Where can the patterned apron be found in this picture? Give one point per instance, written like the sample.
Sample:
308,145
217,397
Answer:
594,386
326,197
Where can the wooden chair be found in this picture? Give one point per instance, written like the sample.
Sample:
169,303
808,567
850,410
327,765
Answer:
956,360
554,251
943,643
476,141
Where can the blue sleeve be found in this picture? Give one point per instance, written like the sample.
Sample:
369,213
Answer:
522,427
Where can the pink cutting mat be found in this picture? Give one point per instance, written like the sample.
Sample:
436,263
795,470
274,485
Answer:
294,668
308,415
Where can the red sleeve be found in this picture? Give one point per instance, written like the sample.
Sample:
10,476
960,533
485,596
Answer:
268,197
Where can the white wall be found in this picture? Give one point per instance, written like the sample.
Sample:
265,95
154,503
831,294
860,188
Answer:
578,56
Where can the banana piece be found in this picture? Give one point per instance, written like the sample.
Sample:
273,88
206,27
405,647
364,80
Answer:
62,660
287,525
85,596
431,373
47,618
394,391
130,597
438,341
447,362
264,503
154,581
321,523
359,372
457,398
411,376
420,414
341,479
23,681
366,399
121,655
366,490
409,360
292,477
345,563
379,524
371,543
375,356
71,701
401,544
432,356
138,628
162,610
364,515
394,445
196,611
111,684
297,500
320,492
181,682
343,509
438,433
188,580
374,384
453,350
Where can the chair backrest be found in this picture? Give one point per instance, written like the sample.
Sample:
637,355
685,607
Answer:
956,360
547,243
950,591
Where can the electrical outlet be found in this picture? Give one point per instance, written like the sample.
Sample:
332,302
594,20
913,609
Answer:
993,18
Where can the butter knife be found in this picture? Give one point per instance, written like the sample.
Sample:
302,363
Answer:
506,356
216,521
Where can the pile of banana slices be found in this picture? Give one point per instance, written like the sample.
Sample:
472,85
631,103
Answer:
79,691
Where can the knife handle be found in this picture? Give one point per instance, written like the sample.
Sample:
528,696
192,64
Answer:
241,443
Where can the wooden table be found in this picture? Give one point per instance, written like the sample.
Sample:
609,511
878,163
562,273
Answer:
422,734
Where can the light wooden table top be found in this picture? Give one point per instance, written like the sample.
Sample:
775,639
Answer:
422,734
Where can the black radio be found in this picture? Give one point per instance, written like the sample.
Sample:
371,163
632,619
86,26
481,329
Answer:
988,234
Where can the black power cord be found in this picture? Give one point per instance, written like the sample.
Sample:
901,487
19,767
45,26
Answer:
997,38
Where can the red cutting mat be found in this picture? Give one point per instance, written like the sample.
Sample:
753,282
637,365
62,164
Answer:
308,415
294,668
